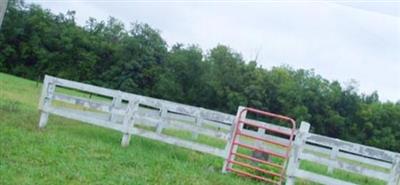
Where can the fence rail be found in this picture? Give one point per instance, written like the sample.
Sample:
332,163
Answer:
148,117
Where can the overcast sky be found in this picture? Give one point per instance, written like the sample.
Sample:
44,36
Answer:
340,41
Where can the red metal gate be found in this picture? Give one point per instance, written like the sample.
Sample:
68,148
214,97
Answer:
271,168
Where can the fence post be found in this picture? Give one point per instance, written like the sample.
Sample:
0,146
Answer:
163,118
259,143
231,139
198,122
395,172
332,157
128,122
297,148
116,104
45,101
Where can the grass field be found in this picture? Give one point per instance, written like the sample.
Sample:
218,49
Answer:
68,152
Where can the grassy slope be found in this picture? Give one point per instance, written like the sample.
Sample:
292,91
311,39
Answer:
68,152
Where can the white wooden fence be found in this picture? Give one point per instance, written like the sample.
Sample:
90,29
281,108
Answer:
149,117
131,114
342,155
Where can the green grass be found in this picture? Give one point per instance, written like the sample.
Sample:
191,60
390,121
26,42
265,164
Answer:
69,152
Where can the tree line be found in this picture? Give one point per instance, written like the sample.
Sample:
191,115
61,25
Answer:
34,42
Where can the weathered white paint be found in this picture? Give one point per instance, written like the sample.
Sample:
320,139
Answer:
394,178
148,101
92,118
297,148
363,150
332,157
184,126
163,120
121,117
128,122
198,122
85,102
45,103
310,148
115,105
231,140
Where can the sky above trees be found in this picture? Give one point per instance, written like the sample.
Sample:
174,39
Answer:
359,41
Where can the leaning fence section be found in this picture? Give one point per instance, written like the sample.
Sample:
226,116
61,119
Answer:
133,114
338,156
